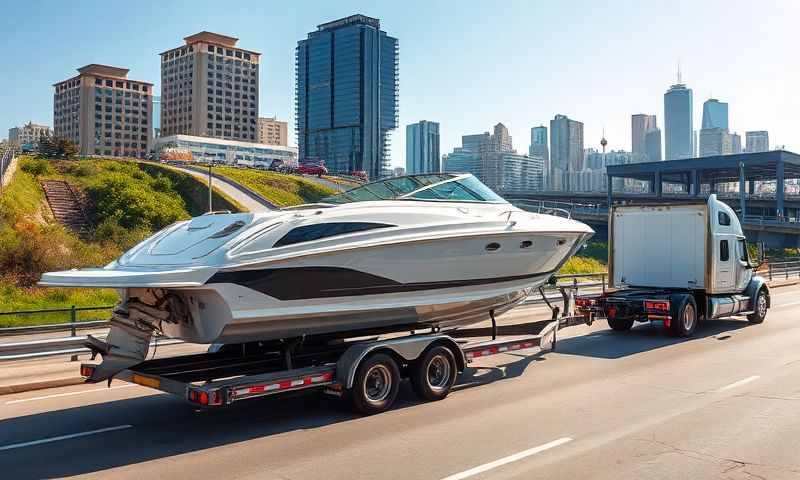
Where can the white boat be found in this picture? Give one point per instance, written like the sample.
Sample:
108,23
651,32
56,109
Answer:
438,250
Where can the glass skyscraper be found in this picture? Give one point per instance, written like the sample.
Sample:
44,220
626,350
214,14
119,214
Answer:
566,151
715,114
678,126
346,99
422,148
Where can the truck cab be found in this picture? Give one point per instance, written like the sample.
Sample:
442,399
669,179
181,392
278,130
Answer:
676,264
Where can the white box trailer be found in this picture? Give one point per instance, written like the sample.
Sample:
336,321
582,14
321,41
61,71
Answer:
677,264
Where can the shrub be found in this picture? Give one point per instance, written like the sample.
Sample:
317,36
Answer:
133,203
35,166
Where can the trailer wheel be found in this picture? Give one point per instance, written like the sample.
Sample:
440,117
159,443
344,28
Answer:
620,324
760,308
684,323
434,373
376,384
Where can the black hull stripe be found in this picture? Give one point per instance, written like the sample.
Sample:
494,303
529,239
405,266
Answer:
304,283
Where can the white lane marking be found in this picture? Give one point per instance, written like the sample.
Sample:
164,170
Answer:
506,460
63,437
787,304
739,383
68,394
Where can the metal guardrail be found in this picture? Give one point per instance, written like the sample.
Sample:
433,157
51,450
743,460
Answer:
783,270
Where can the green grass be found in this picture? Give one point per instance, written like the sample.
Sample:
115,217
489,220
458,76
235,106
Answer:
14,298
279,188
130,202
193,191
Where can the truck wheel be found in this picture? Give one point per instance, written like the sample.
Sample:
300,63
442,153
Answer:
759,308
376,384
620,324
684,323
434,373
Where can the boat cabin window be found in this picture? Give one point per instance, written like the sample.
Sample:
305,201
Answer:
307,233
439,186
468,189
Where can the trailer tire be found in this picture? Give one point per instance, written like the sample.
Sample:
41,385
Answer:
759,308
434,373
620,324
684,322
377,382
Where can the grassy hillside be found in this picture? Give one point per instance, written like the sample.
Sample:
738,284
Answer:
279,188
128,201
592,259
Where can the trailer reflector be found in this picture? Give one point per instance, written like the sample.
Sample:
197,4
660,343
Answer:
485,352
286,384
146,381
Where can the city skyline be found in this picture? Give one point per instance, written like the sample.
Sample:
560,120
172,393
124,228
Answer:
432,56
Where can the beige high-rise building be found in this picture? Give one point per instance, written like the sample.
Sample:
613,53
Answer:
273,132
209,88
104,112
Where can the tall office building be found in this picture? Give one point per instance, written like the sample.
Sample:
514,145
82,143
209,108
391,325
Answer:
272,131
538,147
209,88
756,141
715,114
566,151
104,112
347,91
717,141
678,124
493,160
736,143
640,125
422,148
652,145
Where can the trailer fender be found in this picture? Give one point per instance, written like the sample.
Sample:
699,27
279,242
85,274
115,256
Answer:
409,349
756,284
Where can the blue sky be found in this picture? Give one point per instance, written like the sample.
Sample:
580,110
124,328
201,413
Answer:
466,64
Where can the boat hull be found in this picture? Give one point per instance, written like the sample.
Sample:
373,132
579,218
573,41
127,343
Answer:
272,319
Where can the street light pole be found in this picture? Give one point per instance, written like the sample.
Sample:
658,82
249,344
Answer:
210,190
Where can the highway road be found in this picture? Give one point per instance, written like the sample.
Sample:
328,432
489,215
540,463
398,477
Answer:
231,190
723,404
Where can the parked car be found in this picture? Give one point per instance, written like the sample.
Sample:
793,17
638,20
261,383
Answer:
318,170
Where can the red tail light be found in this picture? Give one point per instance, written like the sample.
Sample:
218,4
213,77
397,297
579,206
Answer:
657,306
585,302
87,370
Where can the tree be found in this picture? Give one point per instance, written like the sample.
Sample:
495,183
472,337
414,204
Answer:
66,148
57,147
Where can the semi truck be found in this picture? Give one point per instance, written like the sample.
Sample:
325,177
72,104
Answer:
677,264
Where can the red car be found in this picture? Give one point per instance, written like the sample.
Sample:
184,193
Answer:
360,174
318,170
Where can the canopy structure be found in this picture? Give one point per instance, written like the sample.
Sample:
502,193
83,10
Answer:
745,168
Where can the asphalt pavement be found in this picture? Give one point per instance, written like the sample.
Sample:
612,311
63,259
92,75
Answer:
641,404
243,198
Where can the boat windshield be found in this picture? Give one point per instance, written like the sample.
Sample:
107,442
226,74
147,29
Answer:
437,187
